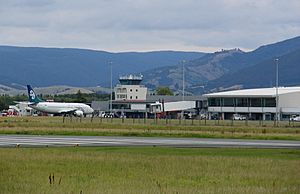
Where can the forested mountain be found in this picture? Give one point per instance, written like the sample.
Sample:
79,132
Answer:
263,74
77,67
203,72
232,68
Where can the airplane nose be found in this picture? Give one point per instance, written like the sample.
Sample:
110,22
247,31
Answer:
92,110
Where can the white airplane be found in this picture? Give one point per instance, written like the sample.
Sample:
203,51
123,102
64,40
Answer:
77,109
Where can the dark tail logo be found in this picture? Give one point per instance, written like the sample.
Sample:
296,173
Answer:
32,97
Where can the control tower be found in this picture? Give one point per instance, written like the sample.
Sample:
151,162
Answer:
131,79
130,89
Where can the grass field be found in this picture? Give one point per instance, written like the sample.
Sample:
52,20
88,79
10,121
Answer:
149,170
149,127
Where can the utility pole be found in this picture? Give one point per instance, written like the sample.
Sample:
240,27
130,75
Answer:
277,99
183,87
111,90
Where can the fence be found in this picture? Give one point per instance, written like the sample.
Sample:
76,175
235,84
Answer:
187,122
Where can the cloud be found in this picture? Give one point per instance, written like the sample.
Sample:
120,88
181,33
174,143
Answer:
121,25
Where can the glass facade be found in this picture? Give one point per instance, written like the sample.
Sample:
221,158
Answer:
242,102
214,101
121,90
256,102
121,96
130,82
270,102
228,102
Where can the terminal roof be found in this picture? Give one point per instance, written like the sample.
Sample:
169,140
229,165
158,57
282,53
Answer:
258,92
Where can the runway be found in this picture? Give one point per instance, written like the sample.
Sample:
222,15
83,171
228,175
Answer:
63,141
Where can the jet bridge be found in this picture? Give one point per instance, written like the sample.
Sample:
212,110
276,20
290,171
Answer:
159,107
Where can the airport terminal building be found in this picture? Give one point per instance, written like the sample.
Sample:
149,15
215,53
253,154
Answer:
258,104
132,100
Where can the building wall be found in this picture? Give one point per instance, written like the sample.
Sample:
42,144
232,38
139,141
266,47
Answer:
22,109
100,105
289,104
172,106
130,92
290,100
242,109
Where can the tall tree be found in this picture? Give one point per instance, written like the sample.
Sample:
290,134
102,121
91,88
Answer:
166,91
80,97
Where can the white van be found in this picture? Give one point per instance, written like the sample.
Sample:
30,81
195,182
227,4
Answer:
238,117
295,118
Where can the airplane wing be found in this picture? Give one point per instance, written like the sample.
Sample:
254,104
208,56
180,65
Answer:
27,103
67,110
18,102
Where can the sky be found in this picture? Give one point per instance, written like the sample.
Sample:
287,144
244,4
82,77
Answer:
147,25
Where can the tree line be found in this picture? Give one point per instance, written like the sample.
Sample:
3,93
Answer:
6,100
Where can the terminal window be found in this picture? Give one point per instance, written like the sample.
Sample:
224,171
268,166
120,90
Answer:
242,102
229,102
270,102
255,102
214,102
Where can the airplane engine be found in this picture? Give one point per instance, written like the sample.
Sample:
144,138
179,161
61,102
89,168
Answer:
78,113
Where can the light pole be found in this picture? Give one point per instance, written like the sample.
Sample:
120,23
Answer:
182,112
111,91
277,99
183,80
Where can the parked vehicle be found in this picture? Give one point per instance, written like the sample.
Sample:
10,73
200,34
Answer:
203,116
189,115
122,116
215,116
106,114
4,114
239,117
295,118
102,114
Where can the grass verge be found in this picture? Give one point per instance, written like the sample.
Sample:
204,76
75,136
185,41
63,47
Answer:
149,170
108,127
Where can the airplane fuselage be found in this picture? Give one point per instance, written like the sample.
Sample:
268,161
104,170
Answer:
61,108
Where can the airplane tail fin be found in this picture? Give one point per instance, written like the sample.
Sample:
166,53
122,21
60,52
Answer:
32,97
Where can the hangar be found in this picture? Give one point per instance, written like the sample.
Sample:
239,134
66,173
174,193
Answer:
258,104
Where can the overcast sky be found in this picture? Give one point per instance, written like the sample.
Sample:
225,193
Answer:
143,25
